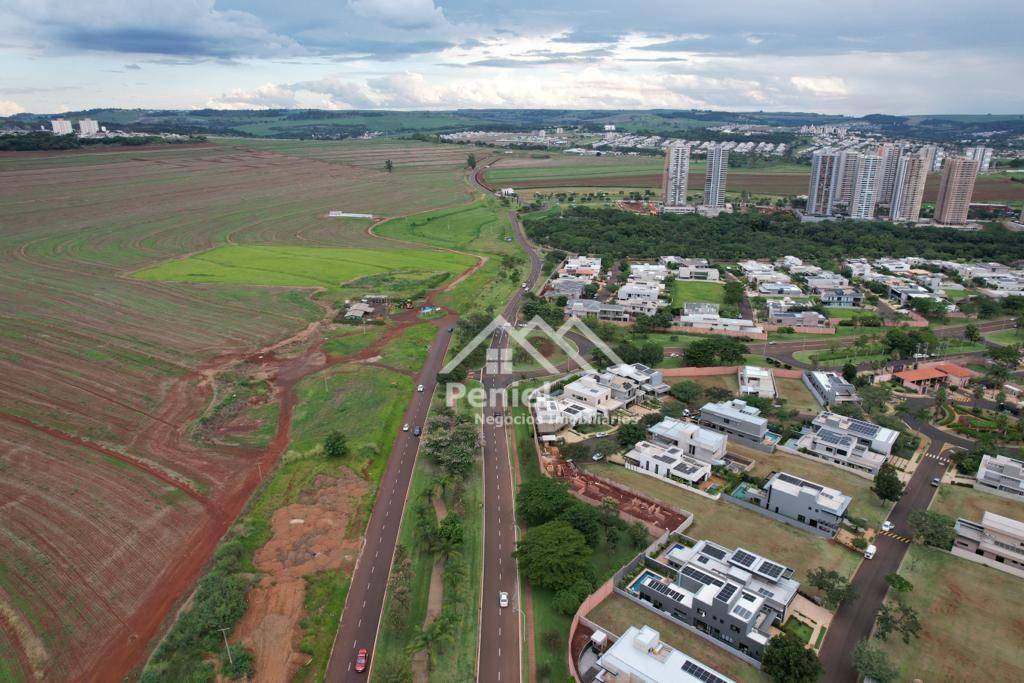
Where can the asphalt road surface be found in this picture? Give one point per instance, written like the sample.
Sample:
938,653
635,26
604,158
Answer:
360,619
854,620
499,654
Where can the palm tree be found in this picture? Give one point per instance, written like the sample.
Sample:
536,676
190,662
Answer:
978,392
941,400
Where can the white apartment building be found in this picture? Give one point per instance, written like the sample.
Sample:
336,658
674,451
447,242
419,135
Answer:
676,175
87,127
61,127
715,177
865,189
819,191
844,179
890,155
983,155
908,188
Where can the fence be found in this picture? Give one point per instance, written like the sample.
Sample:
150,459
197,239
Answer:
732,500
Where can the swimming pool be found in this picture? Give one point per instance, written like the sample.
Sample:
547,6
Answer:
646,574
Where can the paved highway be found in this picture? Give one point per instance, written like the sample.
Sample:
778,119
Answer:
360,619
499,654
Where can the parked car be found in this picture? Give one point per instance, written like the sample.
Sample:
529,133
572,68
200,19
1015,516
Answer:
887,525
503,599
416,430
362,658
936,481
869,552
405,427
596,456
419,388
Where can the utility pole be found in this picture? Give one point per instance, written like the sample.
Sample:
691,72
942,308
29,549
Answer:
224,632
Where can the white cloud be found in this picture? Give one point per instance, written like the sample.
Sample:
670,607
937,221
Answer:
10,108
408,14
827,86
266,96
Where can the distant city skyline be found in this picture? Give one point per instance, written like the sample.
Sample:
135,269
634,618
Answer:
912,57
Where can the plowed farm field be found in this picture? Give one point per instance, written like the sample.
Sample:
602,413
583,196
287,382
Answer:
109,504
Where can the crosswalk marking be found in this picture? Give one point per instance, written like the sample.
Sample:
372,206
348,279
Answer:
941,458
893,534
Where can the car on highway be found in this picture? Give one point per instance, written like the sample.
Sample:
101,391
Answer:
362,658
936,481
419,388
887,525
405,427
416,430
869,552
503,599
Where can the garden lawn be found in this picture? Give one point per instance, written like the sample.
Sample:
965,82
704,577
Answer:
971,621
617,613
693,290
733,526
1005,337
844,312
964,501
328,267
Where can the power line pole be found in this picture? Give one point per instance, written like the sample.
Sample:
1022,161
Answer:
224,632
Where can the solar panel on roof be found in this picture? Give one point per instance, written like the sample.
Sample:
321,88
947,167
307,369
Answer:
742,612
696,574
865,428
743,558
831,437
771,569
714,551
700,673
728,590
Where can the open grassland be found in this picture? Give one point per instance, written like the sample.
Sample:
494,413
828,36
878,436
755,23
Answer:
733,526
616,614
479,227
971,621
966,502
685,291
328,267
102,375
1005,337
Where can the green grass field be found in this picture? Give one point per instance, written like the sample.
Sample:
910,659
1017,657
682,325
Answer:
479,227
409,351
1005,337
733,526
971,619
328,267
690,290
796,394
966,502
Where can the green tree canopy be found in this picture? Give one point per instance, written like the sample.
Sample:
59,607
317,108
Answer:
554,555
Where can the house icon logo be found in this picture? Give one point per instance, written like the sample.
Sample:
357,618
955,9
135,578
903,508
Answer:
498,357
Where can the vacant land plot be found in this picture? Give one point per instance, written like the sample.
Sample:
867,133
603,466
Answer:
964,501
482,226
1005,337
617,613
102,375
687,290
797,396
733,526
328,267
971,619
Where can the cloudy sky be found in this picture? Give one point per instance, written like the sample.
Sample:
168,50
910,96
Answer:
892,56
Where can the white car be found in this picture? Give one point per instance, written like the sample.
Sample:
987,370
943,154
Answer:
869,553
405,427
502,599
887,525
596,457
419,388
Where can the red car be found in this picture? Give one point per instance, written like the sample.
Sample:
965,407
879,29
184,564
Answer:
362,657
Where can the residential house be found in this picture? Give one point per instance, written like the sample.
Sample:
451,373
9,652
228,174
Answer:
582,266
848,442
582,308
697,273
829,388
649,380
570,287
734,596
997,542
826,280
795,498
927,376
551,415
700,308
639,656
1001,475
740,421
779,289
808,318
841,297
647,272
669,463
716,323
695,441
756,381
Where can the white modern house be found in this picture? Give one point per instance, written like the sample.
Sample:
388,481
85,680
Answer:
639,656
756,381
1001,475
848,442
